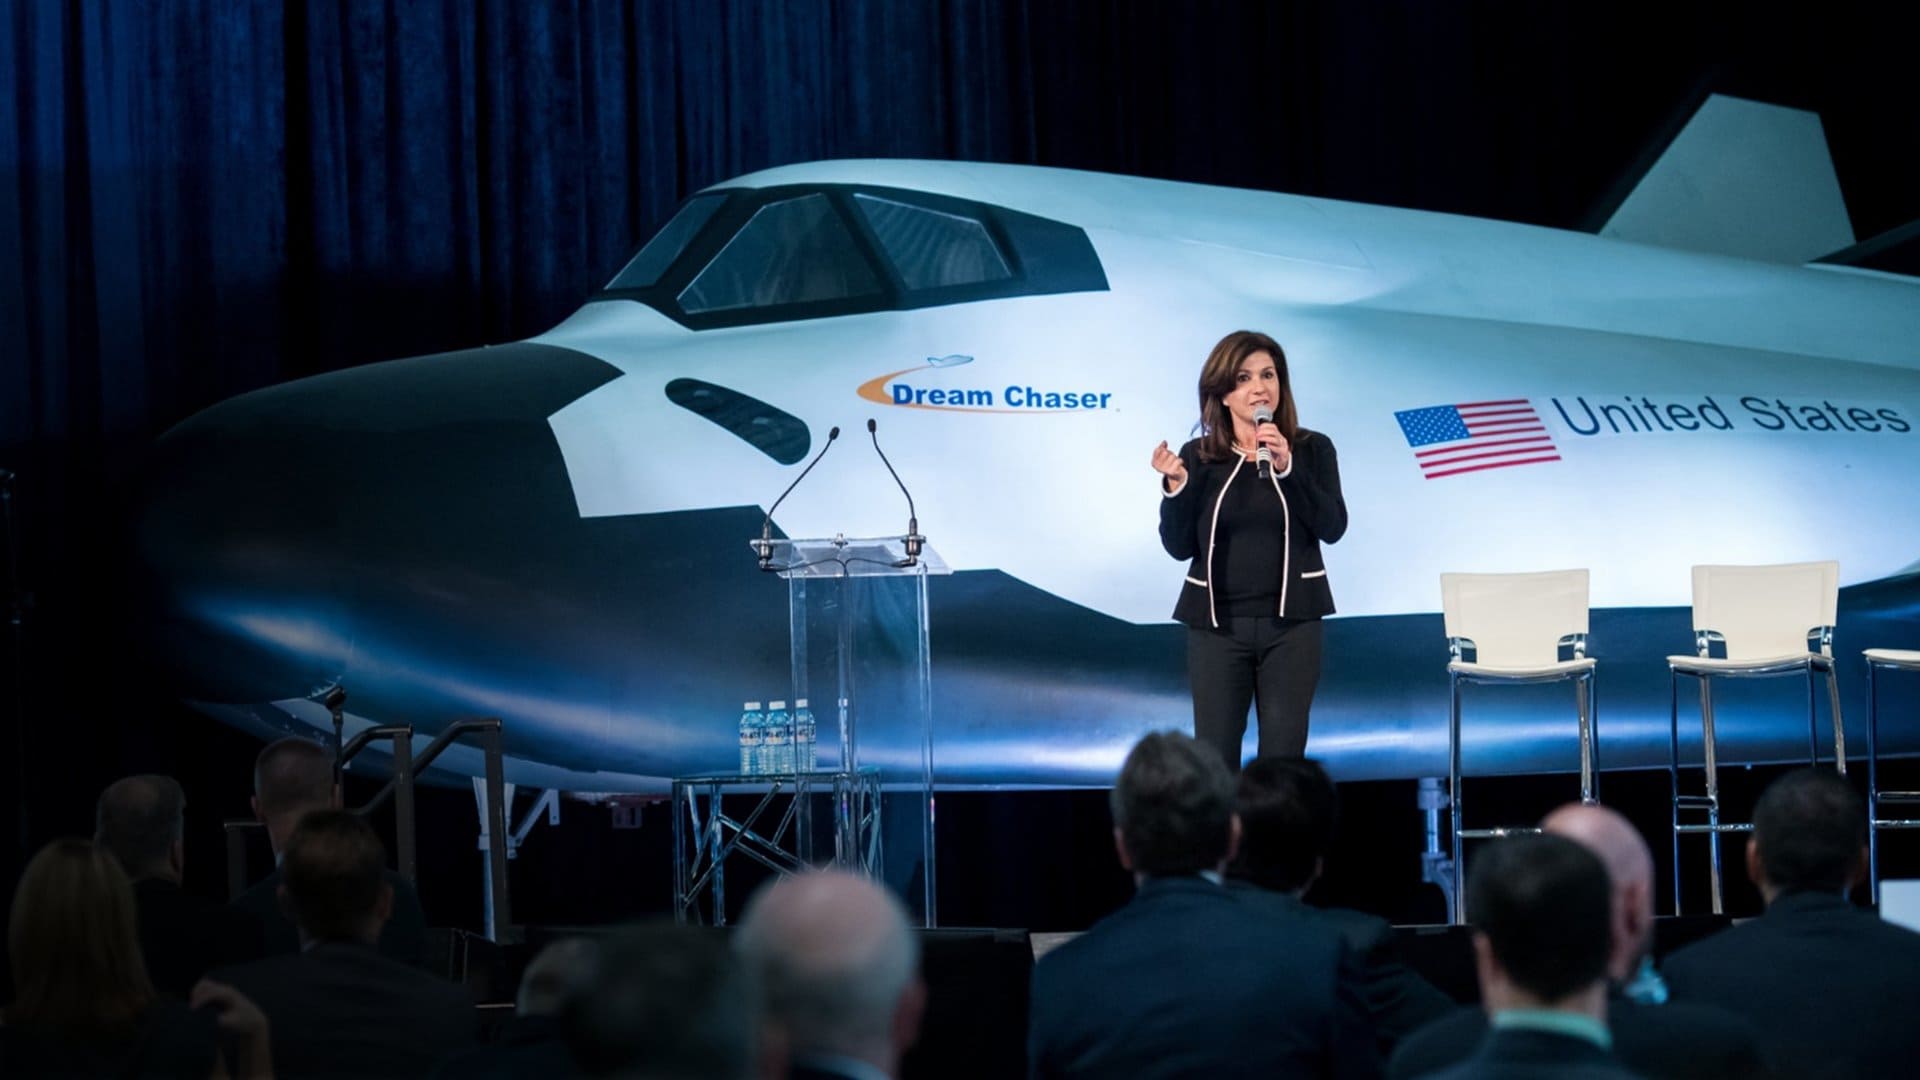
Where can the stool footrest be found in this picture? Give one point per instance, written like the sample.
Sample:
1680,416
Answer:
1490,834
1722,827
1897,823
1898,796
1696,802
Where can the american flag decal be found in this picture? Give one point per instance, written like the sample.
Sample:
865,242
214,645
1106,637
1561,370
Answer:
1448,440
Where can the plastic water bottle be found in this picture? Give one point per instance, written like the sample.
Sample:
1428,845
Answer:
751,721
804,732
777,749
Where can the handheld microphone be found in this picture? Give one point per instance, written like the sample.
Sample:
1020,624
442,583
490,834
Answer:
1263,415
763,547
914,540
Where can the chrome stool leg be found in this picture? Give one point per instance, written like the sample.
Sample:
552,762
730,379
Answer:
1713,789
1453,797
1583,704
1673,775
1873,789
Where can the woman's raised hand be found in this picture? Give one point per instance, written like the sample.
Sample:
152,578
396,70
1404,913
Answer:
1168,464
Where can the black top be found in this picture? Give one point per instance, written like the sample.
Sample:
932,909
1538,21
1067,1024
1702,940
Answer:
167,1041
1677,1040
1830,989
1311,512
1248,550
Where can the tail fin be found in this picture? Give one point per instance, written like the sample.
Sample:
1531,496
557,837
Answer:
1745,179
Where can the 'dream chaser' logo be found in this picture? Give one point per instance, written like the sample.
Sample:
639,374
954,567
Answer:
920,388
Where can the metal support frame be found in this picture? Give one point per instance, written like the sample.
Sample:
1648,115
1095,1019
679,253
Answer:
705,836
16,617
1709,800
1875,796
1436,866
1585,701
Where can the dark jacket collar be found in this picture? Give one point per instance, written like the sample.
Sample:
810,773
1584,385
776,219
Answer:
1807,902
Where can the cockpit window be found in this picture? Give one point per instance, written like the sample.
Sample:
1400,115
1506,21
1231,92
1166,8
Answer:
743,256
794,251
668,243
932,249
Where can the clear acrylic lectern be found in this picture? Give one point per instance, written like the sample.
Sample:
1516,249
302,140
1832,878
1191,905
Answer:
857,611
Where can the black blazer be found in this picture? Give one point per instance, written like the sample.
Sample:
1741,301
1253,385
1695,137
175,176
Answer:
1397,999
1677,1040
183,936
342,1009
1187,981
1316,514
1832,990
1514,1054
404,938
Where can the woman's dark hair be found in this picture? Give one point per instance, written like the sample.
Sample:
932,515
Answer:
1217,380
73,943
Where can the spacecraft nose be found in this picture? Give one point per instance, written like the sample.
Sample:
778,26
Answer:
280,526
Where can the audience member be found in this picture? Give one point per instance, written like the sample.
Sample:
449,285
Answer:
292,778
1540,907
339,1007
1677,1040
838,972
1830,988
82,1004
1185,980
142,821
534,1045
666,1002
1287,809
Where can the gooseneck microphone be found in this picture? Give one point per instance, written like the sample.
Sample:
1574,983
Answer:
914,540
1263,415
763,547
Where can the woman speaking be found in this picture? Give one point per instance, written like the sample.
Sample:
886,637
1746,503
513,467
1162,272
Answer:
1249,502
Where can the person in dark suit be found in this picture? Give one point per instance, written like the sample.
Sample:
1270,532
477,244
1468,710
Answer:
534,1045
292,778
1186,980
1540,907
1677,1040
1287,809
839,974
142,821
667,1002
339,1007
1831,988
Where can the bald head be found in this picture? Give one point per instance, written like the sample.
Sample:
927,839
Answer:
1630,867
142,820
1608,835
291,778
837,963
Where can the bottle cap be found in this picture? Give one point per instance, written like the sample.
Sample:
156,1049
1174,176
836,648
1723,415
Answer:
754,705
777,705
799,703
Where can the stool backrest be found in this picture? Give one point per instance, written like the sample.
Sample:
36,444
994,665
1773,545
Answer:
1515,620
1765,611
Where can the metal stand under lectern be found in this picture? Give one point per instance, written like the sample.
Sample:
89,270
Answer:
860,657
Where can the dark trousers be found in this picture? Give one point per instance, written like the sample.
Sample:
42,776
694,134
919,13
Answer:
1271,663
